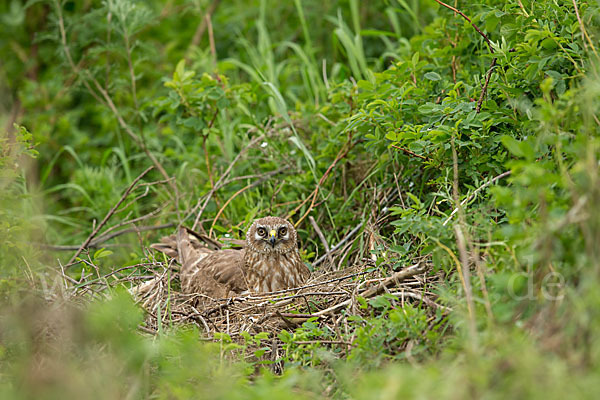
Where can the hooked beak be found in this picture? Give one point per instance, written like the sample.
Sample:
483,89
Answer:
272,237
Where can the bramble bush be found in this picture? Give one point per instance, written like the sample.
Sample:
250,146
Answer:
483,143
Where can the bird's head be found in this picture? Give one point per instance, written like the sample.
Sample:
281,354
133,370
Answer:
271,234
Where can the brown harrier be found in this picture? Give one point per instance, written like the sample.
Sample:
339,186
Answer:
269,260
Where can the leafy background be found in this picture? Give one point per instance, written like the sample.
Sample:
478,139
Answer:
306,108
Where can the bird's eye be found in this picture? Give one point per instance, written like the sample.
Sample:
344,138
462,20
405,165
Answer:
262,231
282,231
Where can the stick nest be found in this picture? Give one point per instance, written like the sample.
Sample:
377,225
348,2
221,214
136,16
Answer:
328,297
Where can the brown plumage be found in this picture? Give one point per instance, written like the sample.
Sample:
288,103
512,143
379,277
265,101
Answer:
269,260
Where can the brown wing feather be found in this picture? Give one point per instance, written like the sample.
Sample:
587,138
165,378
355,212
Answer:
216,275
204,267
167,245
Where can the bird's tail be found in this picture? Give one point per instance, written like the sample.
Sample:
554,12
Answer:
186,243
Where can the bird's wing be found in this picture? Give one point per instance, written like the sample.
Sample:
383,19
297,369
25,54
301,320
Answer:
234,243
230,270
215,275
205,268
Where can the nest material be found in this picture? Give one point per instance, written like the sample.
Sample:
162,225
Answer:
326,297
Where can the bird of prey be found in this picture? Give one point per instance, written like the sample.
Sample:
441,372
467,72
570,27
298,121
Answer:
268,261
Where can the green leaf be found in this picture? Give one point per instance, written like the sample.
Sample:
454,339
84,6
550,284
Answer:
380,302
415,59
259,353
262,335
222,336
432,76
285,336
512,145
101,253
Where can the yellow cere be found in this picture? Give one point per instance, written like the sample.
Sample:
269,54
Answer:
272,233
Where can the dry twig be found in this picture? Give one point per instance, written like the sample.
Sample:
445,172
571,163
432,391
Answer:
321,238
489,44
107,216
313,196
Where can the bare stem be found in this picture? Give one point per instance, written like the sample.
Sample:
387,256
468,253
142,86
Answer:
107,217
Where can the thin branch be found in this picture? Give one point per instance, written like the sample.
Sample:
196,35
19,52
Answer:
487,40
219,183
242,190
324,342
523,8
321,237
464,272
104,238
295,296
108,215
485,85
343,152
134,220
419,296
102,279
131,69
465,201
396,278
63,38
205,149
207,160
411,153
461,244
489,44
139,141
200,29
105,98
339,245
211,40
350,234
583,31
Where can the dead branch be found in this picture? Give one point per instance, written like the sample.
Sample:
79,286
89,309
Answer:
583,31
489,44
395,278
201,29
219,183
108,215
342,153
348,236
95,243
247,187
321,237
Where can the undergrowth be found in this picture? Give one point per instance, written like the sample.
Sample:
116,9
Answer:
399,128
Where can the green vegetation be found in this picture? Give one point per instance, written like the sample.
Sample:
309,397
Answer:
474,146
